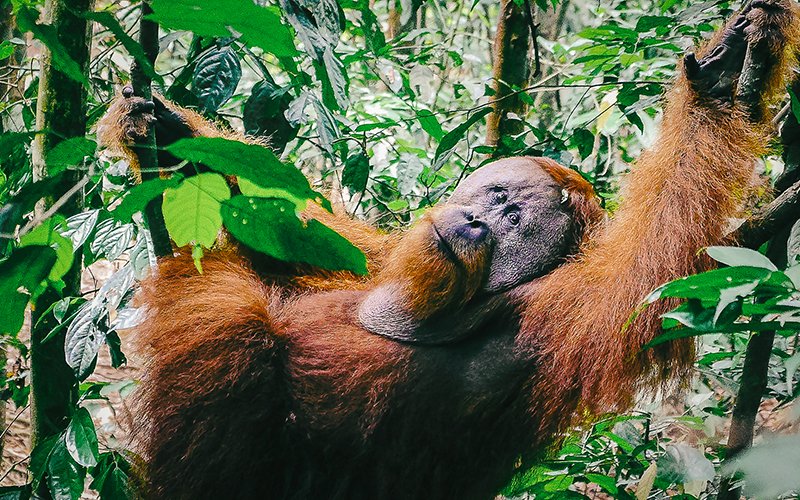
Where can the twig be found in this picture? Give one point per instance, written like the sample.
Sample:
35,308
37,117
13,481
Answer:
54,207
5,431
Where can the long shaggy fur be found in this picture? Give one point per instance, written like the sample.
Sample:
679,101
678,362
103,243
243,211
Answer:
255,391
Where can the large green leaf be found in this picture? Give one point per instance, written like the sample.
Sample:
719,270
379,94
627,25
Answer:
249,161
192,210
139,196
356,172
65,477
81,439
113,477
735,256
49,233
708,286
270,225
21,276
259,26
69,153
216,75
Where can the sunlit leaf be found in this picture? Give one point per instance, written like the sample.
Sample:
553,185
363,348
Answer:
192,210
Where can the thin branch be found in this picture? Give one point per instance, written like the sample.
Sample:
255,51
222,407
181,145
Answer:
55,207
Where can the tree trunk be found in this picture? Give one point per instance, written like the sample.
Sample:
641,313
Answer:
511,69
61,110
145,148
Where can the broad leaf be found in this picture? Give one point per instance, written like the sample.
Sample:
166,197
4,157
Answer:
356,172
139,196
270,225
80,226
191,211
69,153
249,161
259,26
216,75
735,256
81,439
21,276
430,124
84,338
113,477
48,233
111,239
65,477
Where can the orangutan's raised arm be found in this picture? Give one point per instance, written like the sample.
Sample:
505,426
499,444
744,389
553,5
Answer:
678,198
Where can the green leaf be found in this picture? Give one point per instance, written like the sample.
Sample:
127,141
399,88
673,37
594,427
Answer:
15,492
192,210
249,161
64,476
139,196
795,104
81,439
9,141
259,26
113,477
270,225
80,226
111,239
132,46
356,172
430,124
452,138
609,484
70,153
216,75
26,20
707,286
264,114
83,339
40,456
646,23
49,233
6,49
21,276
735,256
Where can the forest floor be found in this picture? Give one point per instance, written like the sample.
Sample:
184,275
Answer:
115,420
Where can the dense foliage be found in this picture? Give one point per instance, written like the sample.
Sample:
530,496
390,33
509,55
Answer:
382,105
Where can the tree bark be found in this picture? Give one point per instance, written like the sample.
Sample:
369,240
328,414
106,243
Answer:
510,70
145,149
60,110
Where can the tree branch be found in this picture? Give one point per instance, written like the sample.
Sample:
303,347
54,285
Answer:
782,212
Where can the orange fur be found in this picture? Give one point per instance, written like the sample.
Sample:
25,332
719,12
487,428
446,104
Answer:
257,391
